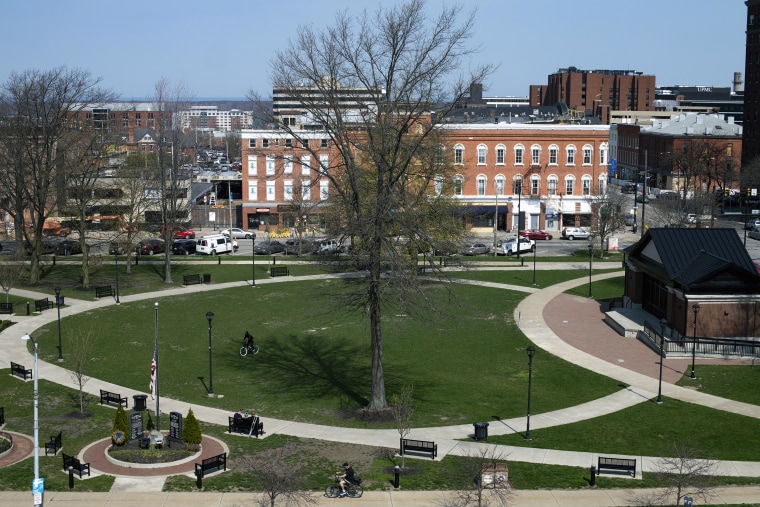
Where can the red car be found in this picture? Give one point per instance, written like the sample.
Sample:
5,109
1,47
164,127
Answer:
182,233
535,234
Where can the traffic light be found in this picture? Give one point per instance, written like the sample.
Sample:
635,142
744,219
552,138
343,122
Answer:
725,191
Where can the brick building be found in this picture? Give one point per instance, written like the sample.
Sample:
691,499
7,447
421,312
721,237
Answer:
751,135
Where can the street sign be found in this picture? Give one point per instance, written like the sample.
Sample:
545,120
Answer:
38,488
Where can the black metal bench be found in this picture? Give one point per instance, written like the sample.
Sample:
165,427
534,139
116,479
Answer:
192,279
109,398
617,465
42,304
246,425
2,416
55,444
6,308
418,446
21,372
213,464
279,271
104,291
452,261
77,466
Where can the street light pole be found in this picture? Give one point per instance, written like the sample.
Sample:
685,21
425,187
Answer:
535,247
519,216
210,316
36,482
498,186
253,261
695,309
116,259
155,382
531,352
662,357
590,265
58,305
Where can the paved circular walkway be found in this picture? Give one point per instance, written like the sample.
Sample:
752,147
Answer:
23,447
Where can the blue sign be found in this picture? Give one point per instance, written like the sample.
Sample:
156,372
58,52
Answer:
38,486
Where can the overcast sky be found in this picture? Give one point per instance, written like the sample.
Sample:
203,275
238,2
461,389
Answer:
222,48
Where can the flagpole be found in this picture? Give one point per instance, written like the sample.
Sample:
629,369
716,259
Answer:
155,353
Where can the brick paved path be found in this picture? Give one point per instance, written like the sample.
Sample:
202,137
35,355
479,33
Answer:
23,447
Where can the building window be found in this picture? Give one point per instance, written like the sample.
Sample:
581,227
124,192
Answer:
482,154
459,154
519,150
553,150
481,185
137,120
252,165
500,150
602,184
324,190
587,155
517,186
288,165
571,155
458,185
323,143
252,143
288,143
270,165
305,143
535,155
270,191
306,164
569,185
324,163
287,189
265,143
306,190
551,185
252,191
124,120
586,182
603,154
535,185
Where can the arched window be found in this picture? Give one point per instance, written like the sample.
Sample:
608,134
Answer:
517,185
459,154
535,184
500,151
551,184
481,181
588,150
458,184
569,184
602,184
553,154
498,184
535,154
519,153
482,150
570,154
603,151
586,184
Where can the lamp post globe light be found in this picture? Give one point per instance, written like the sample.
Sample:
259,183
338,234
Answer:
210,316
58,305
695,309
499,188
531,352
37,483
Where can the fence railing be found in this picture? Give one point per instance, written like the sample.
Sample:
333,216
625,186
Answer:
702,347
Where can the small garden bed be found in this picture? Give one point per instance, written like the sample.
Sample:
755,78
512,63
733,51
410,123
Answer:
132,453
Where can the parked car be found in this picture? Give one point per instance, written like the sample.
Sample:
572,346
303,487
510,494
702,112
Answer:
150,246
572,233
269,248
643,198
184,247
68,247
752,223
475,249
239,233
118,247
296,247
536,234
754,233
181,232
328,246
510,245
214,244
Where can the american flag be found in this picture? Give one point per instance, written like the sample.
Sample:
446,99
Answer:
153,375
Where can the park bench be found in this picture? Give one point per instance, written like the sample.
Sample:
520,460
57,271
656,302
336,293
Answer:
418,446
617,465
103,291
279,271
2,416
246,425
109,398
42,304
77,466
192,279
213,464
55,444
6,308
452,261
21,372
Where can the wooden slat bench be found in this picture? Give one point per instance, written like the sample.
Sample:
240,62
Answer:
214,464
617,465
104,291
42,304
6,308
77,466
279,271
109,398
194,279
55,444
21,372
418,446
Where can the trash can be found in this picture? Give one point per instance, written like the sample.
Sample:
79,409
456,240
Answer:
140,402
60,301
206,278
481,430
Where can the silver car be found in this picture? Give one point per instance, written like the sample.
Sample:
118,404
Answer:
239,233
475,249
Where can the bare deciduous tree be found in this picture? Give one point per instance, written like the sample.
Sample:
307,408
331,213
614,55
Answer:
469,472
278,475
388,173
10,273
80,352
403,411
685,473
609,210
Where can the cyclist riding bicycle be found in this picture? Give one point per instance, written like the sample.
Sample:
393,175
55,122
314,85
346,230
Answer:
247,340
346,477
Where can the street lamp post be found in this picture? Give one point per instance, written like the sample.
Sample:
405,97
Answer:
499,187
58,305
535,247
695,309
590,265
531,352
663,322
519,216
36,483
253,261
155,382
116,260
210,316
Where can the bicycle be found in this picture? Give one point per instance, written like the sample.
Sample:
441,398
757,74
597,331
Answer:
248,345
353,490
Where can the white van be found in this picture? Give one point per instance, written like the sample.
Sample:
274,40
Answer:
214,244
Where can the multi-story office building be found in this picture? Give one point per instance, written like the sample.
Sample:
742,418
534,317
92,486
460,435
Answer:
211,118
751,121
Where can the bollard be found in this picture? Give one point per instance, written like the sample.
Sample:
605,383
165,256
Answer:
219,261
395,476
593,476
199,480
137,260
53,259
28,310
71,477
274,260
